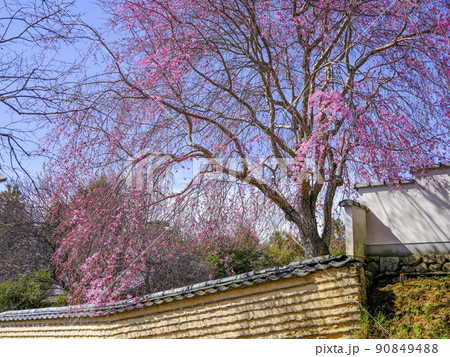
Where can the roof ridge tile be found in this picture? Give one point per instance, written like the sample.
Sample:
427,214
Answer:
294,269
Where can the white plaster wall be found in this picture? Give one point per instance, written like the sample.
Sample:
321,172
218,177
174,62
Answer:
410,219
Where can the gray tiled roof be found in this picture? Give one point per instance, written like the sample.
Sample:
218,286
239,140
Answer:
357,186
295,269
382,183
345,203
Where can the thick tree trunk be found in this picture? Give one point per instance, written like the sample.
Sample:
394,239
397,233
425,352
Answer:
303,215
311,241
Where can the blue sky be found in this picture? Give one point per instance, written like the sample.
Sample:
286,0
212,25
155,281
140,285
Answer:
32,132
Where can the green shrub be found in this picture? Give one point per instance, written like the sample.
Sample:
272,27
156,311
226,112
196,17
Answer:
61,300
234,255
281,249
26,292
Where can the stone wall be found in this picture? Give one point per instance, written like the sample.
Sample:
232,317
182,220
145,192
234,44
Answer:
318,298
413,265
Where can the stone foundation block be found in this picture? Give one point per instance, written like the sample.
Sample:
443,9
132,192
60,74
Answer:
407,269
421,268
446,267
389,264
435,267
429,259
412,260
373,268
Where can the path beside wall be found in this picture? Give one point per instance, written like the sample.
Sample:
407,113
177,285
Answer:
316,298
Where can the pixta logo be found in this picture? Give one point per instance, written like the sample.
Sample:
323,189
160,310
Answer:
150,171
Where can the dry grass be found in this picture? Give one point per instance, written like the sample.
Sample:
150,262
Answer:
420,308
